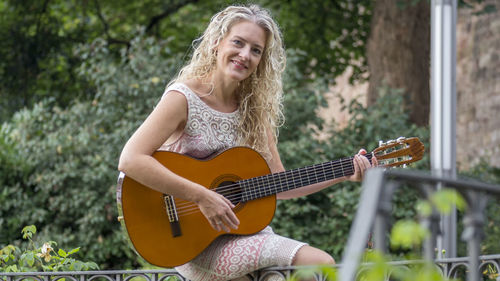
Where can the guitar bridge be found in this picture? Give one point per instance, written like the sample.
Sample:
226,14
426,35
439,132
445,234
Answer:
173,217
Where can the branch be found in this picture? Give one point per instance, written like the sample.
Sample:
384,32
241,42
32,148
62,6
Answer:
170,10
111,40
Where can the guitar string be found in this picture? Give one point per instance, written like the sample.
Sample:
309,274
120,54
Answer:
192,208
288,175
234,191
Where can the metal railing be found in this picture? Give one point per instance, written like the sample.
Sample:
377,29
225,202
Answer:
373,214
375,210
451,268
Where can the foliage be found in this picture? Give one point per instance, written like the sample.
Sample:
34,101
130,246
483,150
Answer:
325,217
89,72
44,258
406,234
63,160
38,39
340,31
486,173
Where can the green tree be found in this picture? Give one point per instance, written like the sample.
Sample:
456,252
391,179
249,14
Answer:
66,158
323,219
38,39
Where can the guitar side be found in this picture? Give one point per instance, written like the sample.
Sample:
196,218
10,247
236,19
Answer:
145,214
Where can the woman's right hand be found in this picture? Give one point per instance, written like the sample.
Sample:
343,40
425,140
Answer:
219,211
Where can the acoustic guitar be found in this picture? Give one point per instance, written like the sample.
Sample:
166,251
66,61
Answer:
168,231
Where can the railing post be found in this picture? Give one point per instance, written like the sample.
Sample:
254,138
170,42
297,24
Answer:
371,192
431,222
383,215
473,231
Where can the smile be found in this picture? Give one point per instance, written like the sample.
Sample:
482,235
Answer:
239,64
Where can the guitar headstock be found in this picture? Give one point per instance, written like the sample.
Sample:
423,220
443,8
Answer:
399,152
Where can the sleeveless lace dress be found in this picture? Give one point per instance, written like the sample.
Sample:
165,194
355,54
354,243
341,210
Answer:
229,257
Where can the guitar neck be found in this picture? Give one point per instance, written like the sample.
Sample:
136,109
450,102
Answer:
271,184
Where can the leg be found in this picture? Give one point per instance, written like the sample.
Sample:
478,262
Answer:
308,255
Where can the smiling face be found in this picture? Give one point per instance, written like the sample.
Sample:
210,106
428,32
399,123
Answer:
240,52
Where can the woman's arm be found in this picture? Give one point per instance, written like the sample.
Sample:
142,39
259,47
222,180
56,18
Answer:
168,119
361,163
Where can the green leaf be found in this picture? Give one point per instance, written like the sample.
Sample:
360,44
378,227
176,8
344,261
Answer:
28,258
28,231
75,250
424,208
445,199
62,253
407,234
12,268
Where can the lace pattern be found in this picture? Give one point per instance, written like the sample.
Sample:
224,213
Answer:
231,257
207,130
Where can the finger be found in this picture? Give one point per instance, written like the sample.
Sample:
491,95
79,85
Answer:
357,168
228,202
216,224
362,151
361,166
232,220
224,227
374,161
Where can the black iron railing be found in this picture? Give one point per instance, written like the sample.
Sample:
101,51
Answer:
373,214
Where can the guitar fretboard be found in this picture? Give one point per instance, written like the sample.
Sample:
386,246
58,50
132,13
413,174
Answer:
263,186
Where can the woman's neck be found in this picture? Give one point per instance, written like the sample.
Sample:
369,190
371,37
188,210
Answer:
223,90
216,94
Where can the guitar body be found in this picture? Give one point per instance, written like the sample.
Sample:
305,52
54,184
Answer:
169,232
145,214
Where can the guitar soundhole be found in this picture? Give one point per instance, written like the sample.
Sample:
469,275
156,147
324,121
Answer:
231,191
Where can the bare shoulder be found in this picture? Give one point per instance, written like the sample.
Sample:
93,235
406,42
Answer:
173,103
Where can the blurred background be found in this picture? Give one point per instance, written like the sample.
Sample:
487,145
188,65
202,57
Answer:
77,77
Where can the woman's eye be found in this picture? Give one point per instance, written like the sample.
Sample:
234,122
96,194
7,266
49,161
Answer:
257,51
237,42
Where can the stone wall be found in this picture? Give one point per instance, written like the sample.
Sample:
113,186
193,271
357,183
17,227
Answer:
478,86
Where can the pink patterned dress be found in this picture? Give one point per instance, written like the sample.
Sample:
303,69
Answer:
229,257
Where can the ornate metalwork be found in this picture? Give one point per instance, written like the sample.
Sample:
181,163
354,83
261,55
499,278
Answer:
451,268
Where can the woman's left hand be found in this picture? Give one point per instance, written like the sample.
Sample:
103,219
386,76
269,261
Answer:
361,163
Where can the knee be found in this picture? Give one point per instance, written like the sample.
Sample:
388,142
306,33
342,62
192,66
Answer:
312,256
329,260
325,259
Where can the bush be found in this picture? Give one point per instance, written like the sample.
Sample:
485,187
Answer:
324,219
36,258
60,163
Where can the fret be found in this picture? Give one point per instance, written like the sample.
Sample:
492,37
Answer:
267,189
262,191
275,183
324,172
300,178
245,188
308,177
280,183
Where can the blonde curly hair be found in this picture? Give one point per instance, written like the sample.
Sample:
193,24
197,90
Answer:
260,95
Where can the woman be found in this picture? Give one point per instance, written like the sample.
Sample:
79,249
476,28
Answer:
228,95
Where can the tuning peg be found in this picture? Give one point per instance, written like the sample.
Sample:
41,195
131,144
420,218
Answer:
401,139
381,143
